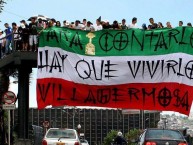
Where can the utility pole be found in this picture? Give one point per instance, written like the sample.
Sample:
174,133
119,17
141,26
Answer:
142,119
72,115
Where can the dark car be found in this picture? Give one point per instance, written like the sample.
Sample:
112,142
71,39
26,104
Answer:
161,137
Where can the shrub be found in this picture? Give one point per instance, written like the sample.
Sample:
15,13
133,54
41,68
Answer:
132,135
110,137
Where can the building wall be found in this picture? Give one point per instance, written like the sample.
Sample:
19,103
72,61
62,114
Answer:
191,116
95,123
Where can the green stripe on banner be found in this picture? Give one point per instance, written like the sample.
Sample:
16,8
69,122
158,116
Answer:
132,42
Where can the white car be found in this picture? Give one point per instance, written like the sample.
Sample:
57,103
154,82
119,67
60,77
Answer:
60,136
84,142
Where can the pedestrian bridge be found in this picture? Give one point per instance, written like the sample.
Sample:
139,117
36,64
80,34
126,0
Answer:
21,62
19,58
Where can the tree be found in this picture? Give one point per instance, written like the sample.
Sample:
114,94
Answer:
133,135
2,2
4,85
110,137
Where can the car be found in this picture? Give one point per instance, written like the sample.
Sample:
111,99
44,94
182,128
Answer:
84,141
155,136
61,136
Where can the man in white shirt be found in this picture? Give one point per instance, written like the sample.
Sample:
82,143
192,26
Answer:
133,24
84,22
78,25
2,43
89,26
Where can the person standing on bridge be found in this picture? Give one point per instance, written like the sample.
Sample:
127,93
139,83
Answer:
8,35
1,43
33,35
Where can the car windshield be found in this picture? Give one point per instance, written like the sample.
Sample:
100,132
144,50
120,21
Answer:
64,133
164,134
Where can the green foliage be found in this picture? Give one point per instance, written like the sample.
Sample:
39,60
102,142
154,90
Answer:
4,85
132,135
110,136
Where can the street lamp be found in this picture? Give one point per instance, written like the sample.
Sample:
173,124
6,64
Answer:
79,127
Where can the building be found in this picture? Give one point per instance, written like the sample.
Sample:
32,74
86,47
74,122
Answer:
190,116
95,123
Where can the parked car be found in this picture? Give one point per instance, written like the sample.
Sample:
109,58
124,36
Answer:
84,141
36,134
60,136
161,137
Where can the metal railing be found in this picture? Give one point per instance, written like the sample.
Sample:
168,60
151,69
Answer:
13,41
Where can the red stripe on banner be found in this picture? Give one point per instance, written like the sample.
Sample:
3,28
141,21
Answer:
143,96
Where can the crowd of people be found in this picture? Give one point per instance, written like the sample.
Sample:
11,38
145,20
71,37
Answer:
24,37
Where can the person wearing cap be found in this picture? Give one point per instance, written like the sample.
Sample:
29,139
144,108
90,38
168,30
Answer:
22,21
119,140
77,25
89,26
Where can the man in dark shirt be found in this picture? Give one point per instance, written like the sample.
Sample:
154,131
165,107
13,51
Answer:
119,140
123,24
24,22
152,24
106,25
25,35
33,34
180,23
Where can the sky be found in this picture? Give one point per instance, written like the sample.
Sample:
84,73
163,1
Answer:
71,10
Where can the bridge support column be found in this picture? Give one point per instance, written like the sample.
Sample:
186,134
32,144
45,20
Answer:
23,101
